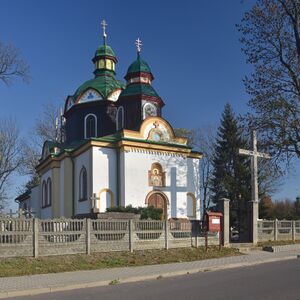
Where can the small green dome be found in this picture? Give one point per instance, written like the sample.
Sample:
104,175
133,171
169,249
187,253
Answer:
105,50
139,89
138,65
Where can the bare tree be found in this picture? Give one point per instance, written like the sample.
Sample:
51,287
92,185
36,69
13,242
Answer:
10,153
271,42
46,129
12,65
202,139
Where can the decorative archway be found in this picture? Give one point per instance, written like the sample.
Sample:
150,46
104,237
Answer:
158,199
111,194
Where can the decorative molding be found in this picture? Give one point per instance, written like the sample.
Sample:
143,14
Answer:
157,192
112,197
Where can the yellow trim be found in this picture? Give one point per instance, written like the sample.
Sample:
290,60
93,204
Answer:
152,120
53,162
194,204
112,197
195,155
141,145
140,134
48,164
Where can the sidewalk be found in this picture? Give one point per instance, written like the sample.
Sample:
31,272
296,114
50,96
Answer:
45,283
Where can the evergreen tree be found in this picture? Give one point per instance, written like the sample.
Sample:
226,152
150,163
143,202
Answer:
266,208
297,208
231,177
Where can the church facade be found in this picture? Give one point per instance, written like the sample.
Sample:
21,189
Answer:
116,149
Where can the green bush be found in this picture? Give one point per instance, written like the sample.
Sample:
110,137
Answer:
145,212
151,213
122,209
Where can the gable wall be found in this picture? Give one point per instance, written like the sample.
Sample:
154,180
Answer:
181,175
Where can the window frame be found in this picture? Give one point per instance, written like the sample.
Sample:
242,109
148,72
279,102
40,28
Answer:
83,188
85,125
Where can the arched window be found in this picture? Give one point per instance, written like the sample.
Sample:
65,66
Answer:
44,194
49,192
83,184
90,126
149,110
120,118
156,176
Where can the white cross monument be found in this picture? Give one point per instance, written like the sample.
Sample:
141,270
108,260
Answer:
254,154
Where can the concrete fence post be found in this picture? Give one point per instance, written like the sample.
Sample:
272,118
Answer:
224,206
293,230
35,237
166,223
88,236
130,225
275,230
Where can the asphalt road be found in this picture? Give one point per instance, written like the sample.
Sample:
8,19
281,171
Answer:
280,280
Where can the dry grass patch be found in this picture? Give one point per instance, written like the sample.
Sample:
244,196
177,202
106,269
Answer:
54,264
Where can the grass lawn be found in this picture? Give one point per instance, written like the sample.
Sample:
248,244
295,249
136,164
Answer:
53,264
277,243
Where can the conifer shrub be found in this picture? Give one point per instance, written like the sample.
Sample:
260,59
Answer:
146,213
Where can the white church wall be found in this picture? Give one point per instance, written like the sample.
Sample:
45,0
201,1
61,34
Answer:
46,212
35,201
105,177
193,180
122,178
83,160
179,174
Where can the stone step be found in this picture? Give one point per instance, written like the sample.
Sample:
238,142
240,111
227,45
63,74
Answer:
245,247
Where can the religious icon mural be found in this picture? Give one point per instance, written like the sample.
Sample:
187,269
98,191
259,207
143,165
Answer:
156,175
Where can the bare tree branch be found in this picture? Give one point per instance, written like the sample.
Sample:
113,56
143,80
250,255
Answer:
10,152
12,65
271,43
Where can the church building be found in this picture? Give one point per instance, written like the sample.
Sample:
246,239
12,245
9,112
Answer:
116,149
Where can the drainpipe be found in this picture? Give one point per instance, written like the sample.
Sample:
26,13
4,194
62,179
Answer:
118,175
73,186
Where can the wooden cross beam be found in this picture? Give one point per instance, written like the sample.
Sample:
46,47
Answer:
254,154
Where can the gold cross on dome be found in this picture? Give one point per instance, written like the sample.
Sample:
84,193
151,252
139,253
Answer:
138,44
156,124
104,24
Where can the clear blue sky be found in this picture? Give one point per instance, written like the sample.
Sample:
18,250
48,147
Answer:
192,48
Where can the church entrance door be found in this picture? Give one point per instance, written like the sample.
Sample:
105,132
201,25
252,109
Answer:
159,200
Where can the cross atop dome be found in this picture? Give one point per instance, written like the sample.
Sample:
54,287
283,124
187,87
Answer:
138,44
103,25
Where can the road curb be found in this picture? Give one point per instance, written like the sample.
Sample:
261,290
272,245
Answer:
52,289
